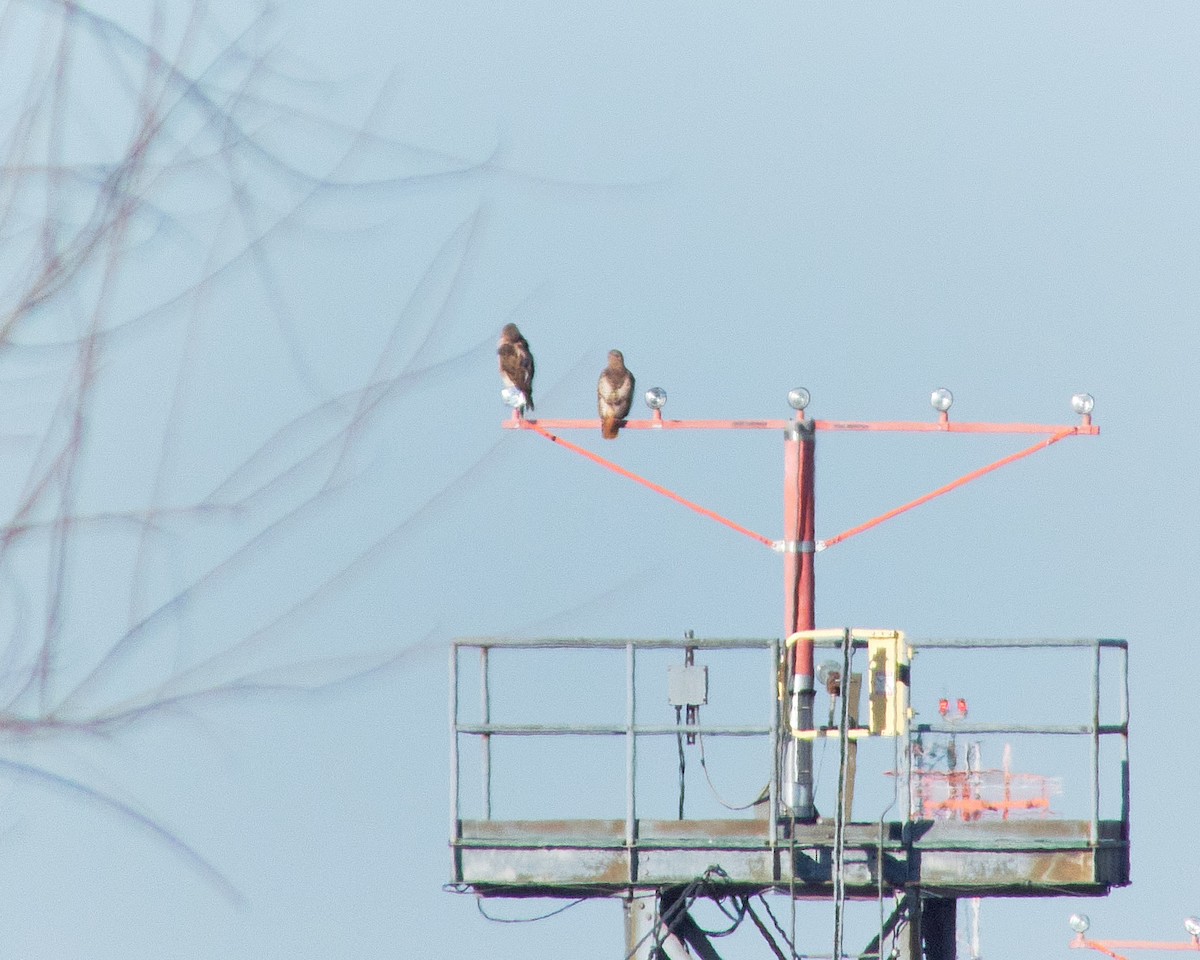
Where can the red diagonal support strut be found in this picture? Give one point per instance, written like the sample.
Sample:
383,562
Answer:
967,478
608,464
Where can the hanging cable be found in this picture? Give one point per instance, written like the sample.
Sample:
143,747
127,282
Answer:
819,768
790,941
544,916
686,898
792,869
839,828
735,917
728,806
880,862
682,760
664,922
762,929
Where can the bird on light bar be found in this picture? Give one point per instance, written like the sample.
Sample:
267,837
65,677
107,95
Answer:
614,395
516,363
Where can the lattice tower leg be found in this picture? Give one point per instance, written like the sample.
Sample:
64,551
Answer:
909,942
644,933
938,928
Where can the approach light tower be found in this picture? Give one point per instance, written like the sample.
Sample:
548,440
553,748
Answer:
799,545
658,867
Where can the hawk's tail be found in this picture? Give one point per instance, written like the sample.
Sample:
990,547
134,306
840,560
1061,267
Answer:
609,427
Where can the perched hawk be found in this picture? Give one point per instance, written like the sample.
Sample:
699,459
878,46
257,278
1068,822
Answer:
516,362
614,395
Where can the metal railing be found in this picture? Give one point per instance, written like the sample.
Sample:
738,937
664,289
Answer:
631,730
1093,729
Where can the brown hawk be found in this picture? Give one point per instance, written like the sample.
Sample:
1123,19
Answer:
614,394
516,363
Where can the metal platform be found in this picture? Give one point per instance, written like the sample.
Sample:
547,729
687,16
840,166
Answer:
945,856
517,858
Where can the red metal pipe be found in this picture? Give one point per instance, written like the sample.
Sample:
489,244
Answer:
791,532
799,512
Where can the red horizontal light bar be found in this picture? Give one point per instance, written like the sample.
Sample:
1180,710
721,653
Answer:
918,426
655,424
852,426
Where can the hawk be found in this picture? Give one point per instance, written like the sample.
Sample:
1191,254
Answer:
516,363
614,395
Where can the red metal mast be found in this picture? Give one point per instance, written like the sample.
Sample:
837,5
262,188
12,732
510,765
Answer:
799,545
799,586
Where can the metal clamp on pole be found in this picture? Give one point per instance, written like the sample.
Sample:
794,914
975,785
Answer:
795,546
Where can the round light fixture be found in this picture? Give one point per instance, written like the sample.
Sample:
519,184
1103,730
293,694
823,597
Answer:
656,398
1079,922
513,397
1083,403
828,670
798,398
1192,926
941,399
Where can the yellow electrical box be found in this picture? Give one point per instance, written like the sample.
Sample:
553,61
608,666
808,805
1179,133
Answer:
888,681
889,658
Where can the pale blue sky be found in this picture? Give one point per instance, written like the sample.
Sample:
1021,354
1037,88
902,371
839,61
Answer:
870,200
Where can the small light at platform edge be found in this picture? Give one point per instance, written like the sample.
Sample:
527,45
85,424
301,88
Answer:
656,398
1079,922
1083,403
941,399
512,397
798,398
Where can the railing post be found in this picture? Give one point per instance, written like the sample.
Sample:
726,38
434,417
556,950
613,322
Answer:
454,828
1096,744
773,788
485,710
630,760
1124,743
